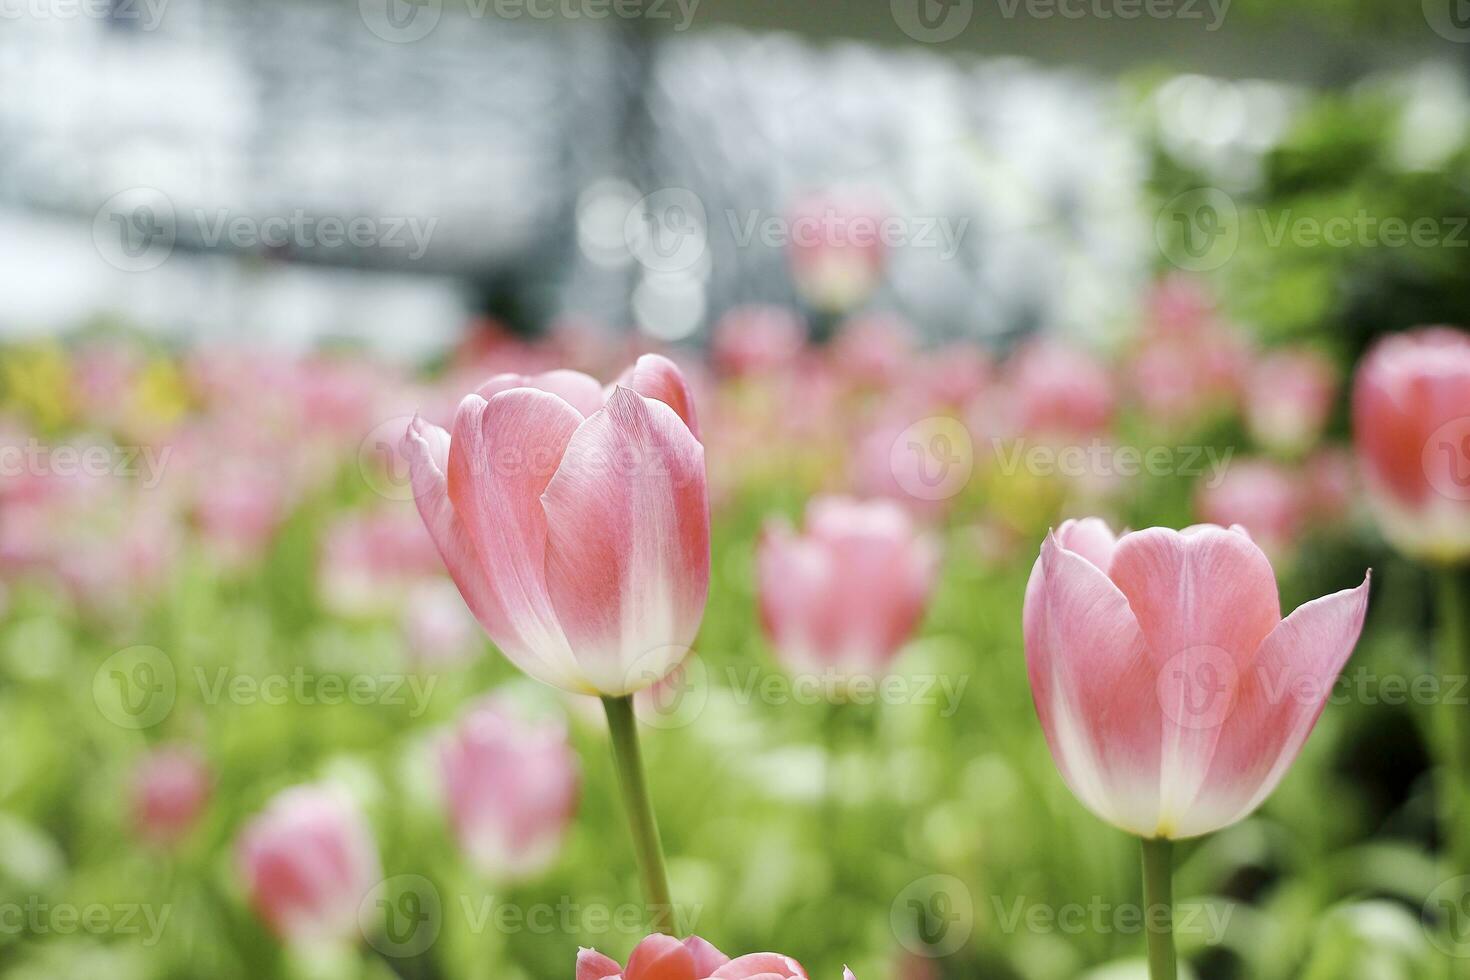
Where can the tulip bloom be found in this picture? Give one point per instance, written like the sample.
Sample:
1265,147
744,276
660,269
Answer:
574,521
841,599
511,787
170,788
667,958
307,862
1288,396
1173,695
1266,498
1411,428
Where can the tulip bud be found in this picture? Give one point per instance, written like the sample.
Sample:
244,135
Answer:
1288,398
1411,430
307,862
170,789
510,785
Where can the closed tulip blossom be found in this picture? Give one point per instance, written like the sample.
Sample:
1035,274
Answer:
575,521
1288,398
510,785
1411,429
307,862
1172,693
170,789
667,958
839,599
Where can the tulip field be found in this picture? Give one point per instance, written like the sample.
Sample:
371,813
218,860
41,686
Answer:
577,656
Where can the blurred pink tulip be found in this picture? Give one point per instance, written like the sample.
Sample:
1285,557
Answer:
841,599
873,350
307,862
755,340
574,521
1411,430
510,786
436,625
837,249
170,788
667,958
1058,390
1264,497
371,559
1288,397
1173,695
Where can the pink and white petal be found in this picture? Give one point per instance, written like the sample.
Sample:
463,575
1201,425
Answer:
661,958
627,557
426,447
1091,538
1280,701
760,965
655,376
592,965
1204,601
501,457
578,390
1093,686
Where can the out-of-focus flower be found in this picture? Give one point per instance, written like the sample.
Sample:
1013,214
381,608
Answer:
169,790
836,248
510,788
1331,485
754,340
839,600
1411,430
369,561
667,958
1055,389
1178,304
952,376
1172,694
1288,398
437,626
307,862
874,351
1264,497
576,524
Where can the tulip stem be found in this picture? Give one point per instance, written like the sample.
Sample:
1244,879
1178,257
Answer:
1454,726
634,781
1158,907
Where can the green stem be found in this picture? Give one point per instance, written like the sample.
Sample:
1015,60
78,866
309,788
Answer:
1158,908
1453,724
634,781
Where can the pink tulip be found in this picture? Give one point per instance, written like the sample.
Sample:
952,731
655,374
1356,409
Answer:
841,599
1266,498
436,625
1288,398
307,862
170,788
370,560
1058,390
873,350
511,787
1172,694
574,521
754,340
1411,428
667,958
837,248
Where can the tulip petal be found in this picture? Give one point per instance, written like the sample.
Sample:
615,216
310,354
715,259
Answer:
757,965
655,376
661,957
707,959
503,454
1093,687
627,556
1204,600
592,965
1091,538
1280,700
578,390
